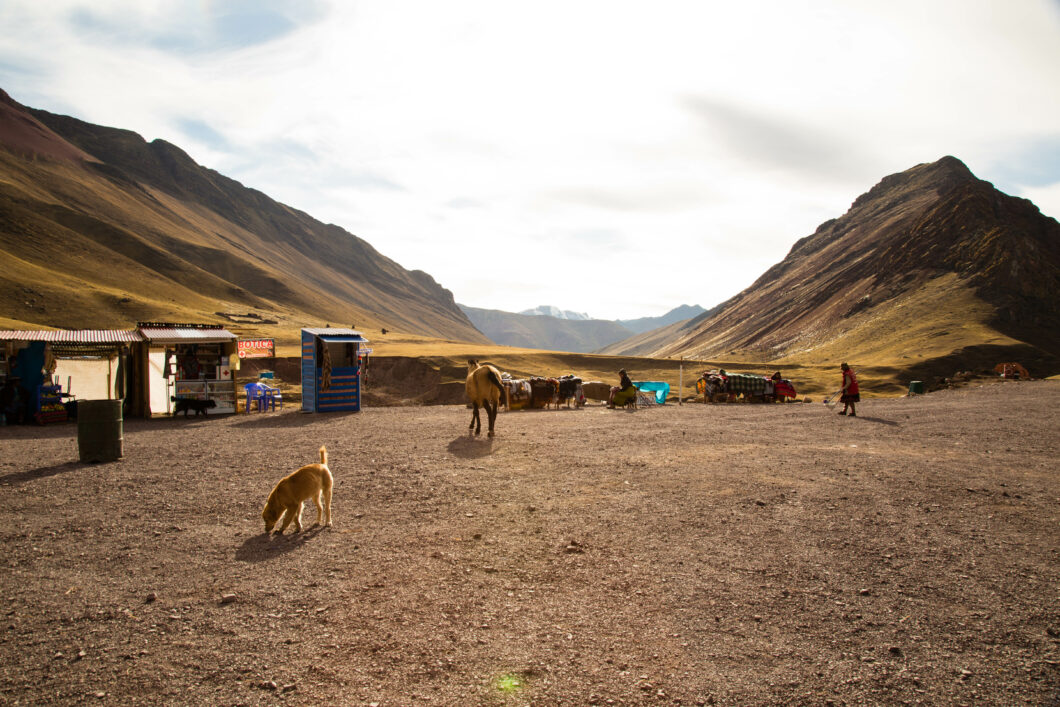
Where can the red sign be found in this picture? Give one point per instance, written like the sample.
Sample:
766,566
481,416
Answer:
256,348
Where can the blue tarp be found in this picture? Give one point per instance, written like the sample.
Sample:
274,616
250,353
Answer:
660,389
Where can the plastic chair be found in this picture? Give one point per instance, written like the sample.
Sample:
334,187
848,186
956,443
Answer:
271,396
255,396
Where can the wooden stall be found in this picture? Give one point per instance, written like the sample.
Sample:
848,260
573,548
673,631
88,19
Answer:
332,360
186,360
56,368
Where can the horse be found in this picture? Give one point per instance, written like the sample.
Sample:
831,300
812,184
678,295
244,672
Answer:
483,388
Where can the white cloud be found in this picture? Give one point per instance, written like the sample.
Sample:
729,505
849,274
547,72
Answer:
690,142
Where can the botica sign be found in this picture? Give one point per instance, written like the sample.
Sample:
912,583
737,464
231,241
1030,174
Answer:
256,348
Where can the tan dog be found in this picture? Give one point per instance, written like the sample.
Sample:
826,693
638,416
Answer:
311,481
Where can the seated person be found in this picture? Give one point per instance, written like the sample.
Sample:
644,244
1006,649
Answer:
624,392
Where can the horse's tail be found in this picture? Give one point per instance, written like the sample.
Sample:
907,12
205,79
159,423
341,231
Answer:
495,379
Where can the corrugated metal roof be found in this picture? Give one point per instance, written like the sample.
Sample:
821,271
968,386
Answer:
178,333
75,336
335,331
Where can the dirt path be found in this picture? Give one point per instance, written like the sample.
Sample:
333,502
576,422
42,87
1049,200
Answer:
731,554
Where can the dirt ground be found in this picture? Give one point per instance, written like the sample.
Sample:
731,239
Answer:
729,554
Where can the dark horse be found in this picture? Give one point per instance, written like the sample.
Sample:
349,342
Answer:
484,388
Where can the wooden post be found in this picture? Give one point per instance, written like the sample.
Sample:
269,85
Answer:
680,383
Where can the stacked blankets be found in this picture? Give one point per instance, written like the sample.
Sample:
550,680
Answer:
747,384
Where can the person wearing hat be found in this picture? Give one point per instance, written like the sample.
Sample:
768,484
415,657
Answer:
623,392
850,393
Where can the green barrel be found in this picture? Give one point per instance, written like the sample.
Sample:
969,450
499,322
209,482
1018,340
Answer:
916,387
99,430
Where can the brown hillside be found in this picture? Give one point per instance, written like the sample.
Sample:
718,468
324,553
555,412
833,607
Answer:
931,268
101,228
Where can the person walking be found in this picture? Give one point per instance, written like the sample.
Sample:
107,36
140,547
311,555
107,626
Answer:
850,394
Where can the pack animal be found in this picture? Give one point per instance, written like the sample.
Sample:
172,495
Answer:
570,389
186,405
312,481
483,387
543,392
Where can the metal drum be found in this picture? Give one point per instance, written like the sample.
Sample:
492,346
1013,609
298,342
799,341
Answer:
99,430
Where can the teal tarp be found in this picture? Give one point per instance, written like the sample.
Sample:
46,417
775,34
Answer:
660,389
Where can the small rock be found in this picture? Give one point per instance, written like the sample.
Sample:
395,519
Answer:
289,688
270,685
864,592
150,598
759,502
228,598
101,695
58,655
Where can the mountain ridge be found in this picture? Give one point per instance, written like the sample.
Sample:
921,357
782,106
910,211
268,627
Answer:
992,262
189,239
552,333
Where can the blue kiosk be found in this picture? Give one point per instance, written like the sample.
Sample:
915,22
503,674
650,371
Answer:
331,369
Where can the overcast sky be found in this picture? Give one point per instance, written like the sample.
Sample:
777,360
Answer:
607,157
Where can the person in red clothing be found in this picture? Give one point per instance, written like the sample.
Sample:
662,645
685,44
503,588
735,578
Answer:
850,391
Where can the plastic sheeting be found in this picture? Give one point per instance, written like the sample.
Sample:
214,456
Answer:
660,389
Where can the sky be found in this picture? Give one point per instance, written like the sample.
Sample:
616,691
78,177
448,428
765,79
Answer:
612,158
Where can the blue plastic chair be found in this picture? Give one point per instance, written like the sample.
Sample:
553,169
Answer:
255,396
271,397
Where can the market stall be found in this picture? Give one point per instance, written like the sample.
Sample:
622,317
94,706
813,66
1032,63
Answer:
195,361
332,363
44,373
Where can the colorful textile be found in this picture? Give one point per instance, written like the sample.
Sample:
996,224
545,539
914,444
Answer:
850,382
784,389
747,384
659,388
624,396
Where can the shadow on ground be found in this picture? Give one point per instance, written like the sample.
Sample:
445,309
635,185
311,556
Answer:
469,447
259,548
22,477
879,421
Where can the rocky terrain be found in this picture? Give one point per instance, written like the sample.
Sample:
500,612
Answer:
692,555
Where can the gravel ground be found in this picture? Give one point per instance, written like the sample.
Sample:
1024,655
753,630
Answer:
728,554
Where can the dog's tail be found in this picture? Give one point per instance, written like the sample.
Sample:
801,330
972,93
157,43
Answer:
323,455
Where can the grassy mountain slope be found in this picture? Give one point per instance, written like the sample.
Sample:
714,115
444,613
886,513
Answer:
931,268
101,228
544,332
675,315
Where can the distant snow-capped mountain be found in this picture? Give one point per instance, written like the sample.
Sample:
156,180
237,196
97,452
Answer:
547,310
